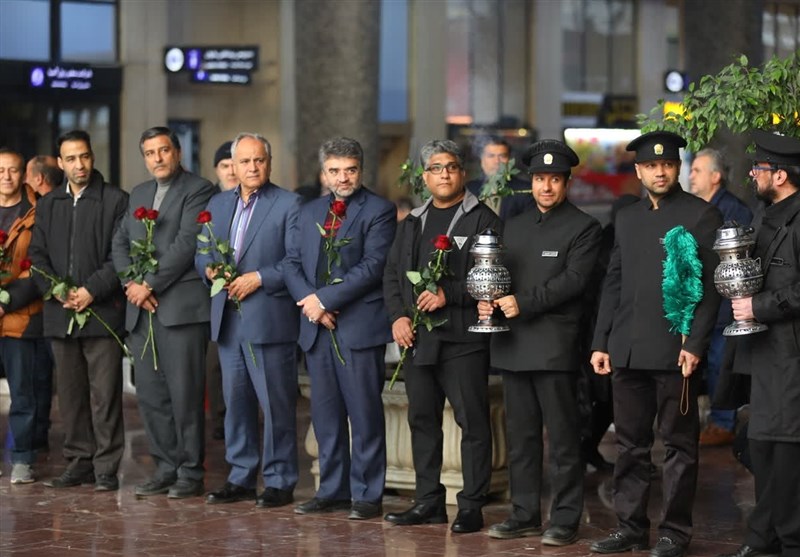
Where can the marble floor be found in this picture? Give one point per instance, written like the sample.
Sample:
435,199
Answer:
36,521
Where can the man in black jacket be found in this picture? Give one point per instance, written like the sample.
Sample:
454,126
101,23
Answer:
772,357
72,240
447,361
551,252
633,338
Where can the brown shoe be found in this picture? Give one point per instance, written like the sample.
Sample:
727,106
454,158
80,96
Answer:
715,436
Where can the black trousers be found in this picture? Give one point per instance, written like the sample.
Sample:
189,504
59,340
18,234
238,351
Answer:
639,397
89,387
775,520
216,402
463,380
537,399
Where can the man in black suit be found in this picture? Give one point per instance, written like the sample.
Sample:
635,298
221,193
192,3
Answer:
171,396
551,252
633,338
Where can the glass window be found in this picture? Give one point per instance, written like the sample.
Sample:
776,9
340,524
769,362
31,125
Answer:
599,53
25,30
88,32
393,96
781,29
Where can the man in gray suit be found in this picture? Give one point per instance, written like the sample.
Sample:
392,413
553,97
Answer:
171,396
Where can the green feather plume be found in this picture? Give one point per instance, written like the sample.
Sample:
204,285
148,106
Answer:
682,285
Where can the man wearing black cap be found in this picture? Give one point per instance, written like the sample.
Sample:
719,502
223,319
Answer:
633,338
772,357
551,252
223,166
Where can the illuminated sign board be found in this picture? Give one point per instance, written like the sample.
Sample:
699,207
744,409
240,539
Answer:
217,64
60,76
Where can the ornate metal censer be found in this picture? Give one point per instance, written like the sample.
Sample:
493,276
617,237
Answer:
488,280
737,275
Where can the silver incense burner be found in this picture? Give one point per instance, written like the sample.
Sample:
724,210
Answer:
488,280
737,275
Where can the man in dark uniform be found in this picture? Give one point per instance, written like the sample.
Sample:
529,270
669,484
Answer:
447,361
493,152
772,357
551,252
633,338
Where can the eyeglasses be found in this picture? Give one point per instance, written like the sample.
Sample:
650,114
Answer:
757,168
451,168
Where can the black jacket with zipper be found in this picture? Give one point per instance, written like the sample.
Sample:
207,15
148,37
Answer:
72,239
461,311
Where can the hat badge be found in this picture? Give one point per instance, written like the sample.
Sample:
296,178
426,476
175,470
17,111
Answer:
658,149
548,158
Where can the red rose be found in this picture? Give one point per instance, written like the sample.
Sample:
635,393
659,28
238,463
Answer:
25,264
140,213
203,217
152,214
339,208
3,236
442,242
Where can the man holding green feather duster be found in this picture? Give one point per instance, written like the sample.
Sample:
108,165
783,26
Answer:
649,362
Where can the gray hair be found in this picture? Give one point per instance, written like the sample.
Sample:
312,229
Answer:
156,131
437,147
718,162
343,147
256,136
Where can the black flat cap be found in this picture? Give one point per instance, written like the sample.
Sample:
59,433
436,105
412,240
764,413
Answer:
657,145
776,149
223,152
550,155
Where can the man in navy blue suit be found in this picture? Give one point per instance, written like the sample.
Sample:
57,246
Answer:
257,337
349,304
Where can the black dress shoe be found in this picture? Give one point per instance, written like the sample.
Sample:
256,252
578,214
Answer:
421,513
230,493
512,528
667,547
273,497
71,478
155,486
747,551
618,542
317,505
560,535
185,488
106,482
364,510
467,521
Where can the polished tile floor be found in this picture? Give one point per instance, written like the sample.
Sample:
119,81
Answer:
39,522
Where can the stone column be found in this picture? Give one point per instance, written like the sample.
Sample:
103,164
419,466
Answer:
716,33
336,78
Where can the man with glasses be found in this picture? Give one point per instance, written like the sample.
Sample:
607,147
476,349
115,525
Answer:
772,357
633,342
348,306
447,361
